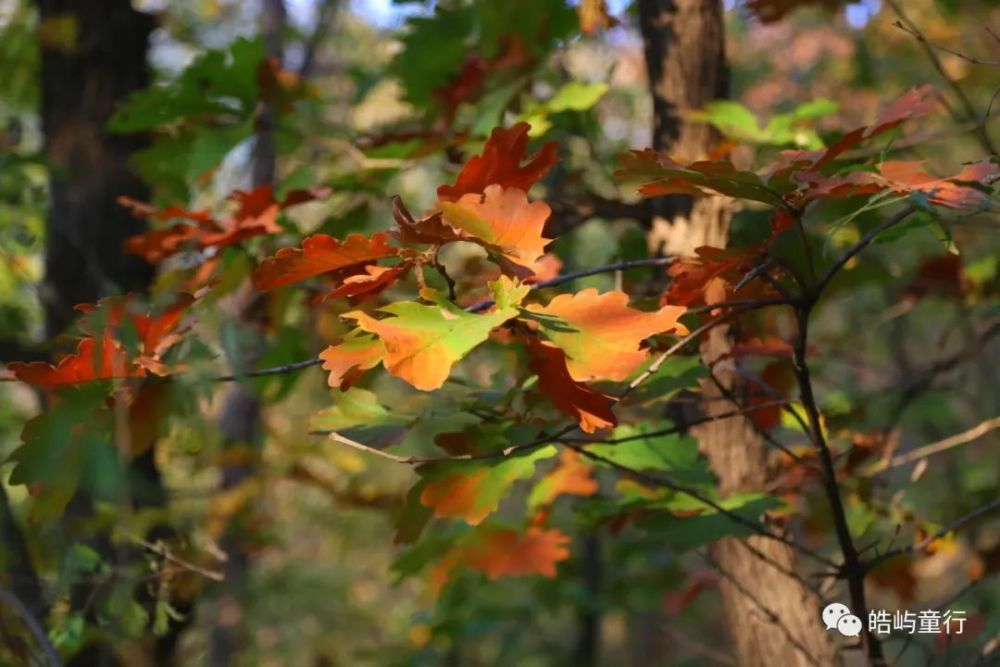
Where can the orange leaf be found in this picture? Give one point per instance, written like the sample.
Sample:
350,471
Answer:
907,177
501,164
321,254
601,334
590,408
503,220
347,360
594,16
456,495
503,552
571,478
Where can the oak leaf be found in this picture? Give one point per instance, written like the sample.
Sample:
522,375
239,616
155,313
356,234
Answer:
347,360
501,164
101,358
571,477
321,254
914,103
601,334
504,221
499,552
589,407
423,341
907,177
505,552
256,214
473,494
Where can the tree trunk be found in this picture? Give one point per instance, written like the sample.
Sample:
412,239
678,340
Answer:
93,57
240,421
773,619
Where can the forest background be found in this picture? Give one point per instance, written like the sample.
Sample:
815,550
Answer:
403,350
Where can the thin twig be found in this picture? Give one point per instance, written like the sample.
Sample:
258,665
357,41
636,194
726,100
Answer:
865,241
583,273
161,550
667,483
982,510
21,609
694,335
941,47
942,445
963,99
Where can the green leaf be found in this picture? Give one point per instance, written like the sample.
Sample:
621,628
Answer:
358,413
641,447
674,375
434,49
574,96
220,83
690,532
422,342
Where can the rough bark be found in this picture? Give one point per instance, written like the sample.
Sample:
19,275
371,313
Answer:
772,618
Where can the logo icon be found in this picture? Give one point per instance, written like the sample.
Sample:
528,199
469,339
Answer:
833,613
849,625
839,617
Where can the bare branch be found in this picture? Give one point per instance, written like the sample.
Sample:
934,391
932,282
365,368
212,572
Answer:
865,241
942,445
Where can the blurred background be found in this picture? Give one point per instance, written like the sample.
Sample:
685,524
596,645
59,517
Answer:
372,94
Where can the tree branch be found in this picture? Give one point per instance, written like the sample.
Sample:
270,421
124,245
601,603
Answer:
51,655
982,510
865,241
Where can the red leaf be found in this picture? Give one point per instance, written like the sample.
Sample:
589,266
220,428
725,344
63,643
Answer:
371,283
778,379
915,103
570,478
94,360
501,164
590,408
321,254
256,215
